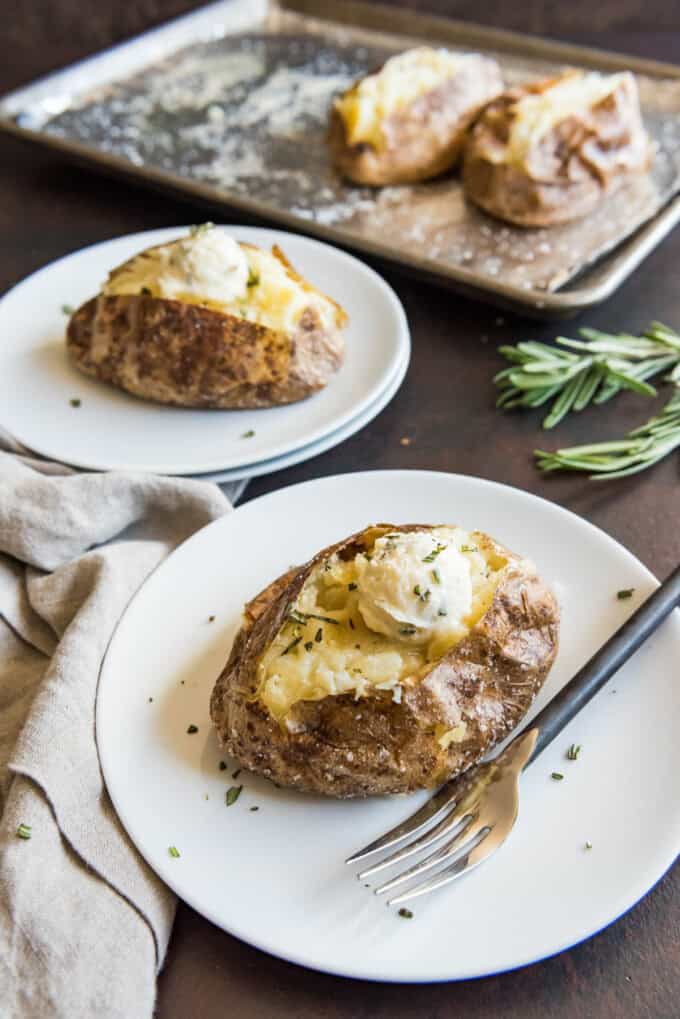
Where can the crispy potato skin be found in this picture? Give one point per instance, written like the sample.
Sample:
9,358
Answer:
184,354
344,747
564,177
425,138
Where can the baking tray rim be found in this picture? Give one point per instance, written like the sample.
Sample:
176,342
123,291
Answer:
613,266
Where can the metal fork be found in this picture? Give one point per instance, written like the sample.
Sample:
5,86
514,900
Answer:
471,816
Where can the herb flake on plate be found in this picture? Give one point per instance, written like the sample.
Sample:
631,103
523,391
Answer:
232,794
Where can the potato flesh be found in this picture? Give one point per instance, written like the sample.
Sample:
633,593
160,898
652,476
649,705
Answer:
534,116
401,81
273,298
312,658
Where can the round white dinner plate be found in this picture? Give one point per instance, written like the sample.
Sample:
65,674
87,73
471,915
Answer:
111,430
315,448
275,877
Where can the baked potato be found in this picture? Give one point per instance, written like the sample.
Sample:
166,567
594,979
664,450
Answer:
207,322
548,152
407,121
392,661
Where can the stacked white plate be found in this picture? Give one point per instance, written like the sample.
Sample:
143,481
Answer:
53,410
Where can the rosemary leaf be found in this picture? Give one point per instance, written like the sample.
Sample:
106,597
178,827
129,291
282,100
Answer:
592,369
642,447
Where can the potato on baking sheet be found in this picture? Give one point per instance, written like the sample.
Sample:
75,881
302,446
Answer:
548,152
407,121
205,321
390,662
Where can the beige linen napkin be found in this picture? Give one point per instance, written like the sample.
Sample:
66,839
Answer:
84,922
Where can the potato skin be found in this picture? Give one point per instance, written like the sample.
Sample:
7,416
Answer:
572,169
344,747
425,138
184,354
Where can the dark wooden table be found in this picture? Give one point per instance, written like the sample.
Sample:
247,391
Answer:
445,407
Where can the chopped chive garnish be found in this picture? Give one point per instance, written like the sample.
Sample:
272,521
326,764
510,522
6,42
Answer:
416,590
351,623
436,576
223,765
589,845
302,617
24,831
468,548
573,751
174,852
249,434
202,228
434,553
294,643
211,619
192,729
67,309
236,773
627,592
406,913
233,794
309,644
442,611
253,278
407,631
145,292
352,586
318,636
557,775
75,402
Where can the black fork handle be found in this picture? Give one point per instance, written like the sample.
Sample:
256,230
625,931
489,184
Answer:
605,662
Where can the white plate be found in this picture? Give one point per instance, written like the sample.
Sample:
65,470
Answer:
276,878
315,448
112,430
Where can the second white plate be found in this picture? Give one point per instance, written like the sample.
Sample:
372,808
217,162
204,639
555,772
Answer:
321,445
111,430
275,877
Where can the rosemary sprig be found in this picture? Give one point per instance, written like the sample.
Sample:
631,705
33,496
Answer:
591,370
640,449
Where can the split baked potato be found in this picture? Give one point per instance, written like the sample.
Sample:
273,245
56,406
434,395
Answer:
392,661
407,121
548,152
205,321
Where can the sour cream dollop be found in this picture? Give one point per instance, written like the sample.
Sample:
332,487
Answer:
414,585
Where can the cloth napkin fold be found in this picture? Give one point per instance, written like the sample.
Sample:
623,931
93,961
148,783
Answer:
84,922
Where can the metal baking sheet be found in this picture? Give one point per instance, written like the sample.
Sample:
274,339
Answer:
231,103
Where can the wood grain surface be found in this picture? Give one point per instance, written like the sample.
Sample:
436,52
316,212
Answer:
445,408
